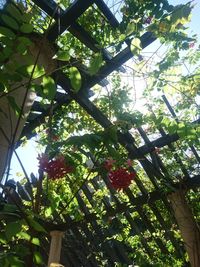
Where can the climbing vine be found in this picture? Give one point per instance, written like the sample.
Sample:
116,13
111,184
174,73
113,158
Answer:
76,149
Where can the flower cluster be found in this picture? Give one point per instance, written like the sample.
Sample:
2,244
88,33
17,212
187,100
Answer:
121,178
55,168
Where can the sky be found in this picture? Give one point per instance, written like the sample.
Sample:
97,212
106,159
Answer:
29,153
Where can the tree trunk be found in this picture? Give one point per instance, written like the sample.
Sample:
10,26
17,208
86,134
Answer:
189,229
10,127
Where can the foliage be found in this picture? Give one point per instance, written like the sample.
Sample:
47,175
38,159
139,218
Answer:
86,146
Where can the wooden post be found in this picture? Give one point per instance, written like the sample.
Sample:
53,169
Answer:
55,248
56,265
189,228
24,99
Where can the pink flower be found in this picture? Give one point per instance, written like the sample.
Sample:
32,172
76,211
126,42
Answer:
148,20
191,45
109,164
129,162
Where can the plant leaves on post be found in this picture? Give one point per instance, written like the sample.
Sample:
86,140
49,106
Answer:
131,27
49,87
75,79
12,229
95,63
26,28
136,46
6,32
9,21
62,56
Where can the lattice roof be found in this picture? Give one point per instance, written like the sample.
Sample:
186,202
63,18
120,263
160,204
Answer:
87,238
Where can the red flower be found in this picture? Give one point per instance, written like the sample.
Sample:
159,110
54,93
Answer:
121,178
43,161
55,137
55,168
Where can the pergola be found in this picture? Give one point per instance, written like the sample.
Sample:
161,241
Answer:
88,242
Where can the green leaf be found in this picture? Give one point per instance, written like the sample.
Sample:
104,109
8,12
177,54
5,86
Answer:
26,28
8,215
24,235
181,14
90,140
62,55
9,207
12,229
111,133
14,12
75,79
187,131
21,250
35,225
6,32
38,71
10,22
21,48
136,46
6,40
131,27
15,261
172,127
49,87
38,258
37,88
26,71
25,41
14,105
3,239
26,17
2,87
48,211
112,151
122,37
7,51
95,63
35,241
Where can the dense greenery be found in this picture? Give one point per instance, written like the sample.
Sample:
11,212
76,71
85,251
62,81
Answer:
85,145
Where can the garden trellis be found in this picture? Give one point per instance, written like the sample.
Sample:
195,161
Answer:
91,240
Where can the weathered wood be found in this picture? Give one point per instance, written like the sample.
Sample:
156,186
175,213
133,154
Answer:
11,124
189,228
55,248
56,265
